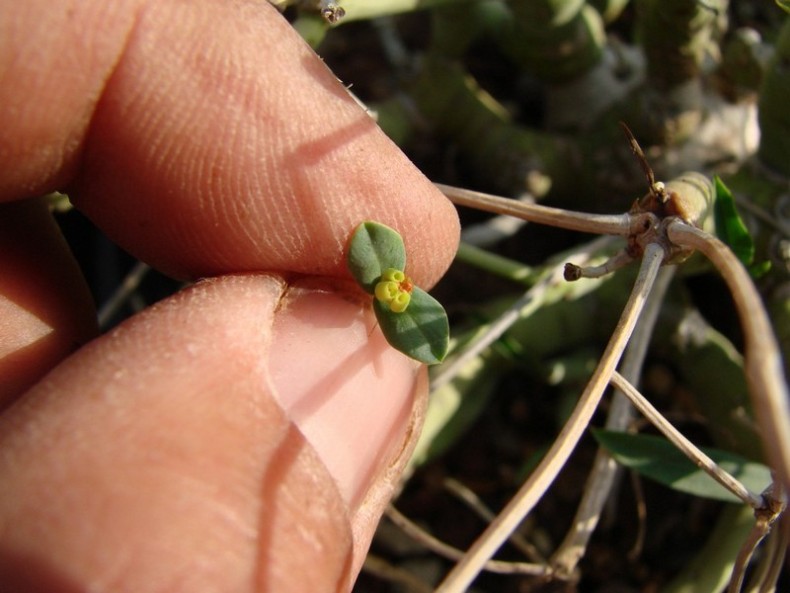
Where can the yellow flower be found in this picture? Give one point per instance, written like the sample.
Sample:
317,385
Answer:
394,289
400,302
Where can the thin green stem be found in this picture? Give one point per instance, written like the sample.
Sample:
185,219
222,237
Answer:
496,264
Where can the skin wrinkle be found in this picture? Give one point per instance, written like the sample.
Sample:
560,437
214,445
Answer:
225,75
309,155
276,185
240,185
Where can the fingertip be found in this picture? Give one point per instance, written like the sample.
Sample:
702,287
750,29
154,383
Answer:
225,145
163,444
358,402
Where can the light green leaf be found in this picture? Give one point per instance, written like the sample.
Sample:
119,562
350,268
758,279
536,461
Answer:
656,458
421,331
729,226
784,5
374,247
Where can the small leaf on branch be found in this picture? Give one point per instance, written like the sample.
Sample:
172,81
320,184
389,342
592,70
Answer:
373,249
412,321
421,331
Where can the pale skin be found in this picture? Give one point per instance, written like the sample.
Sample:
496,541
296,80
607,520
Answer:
245,434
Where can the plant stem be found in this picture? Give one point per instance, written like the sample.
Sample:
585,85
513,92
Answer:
447,551
763,362
123,293
605,224
688,448
555,41
489,142
496,264
675,35
525,305
370,9
605,469
532,490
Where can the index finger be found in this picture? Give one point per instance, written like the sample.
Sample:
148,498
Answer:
216,141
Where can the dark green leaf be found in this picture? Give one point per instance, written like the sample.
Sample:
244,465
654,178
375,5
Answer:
658,459
729,226
760,269
374,247
421,331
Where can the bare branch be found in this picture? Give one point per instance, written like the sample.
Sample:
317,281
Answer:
573,271
763,361
468,496
765,519
688,448
604,224
447,551
532,490
524,305
605,469
656,187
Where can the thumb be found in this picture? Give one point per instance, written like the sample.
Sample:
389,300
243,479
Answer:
183,452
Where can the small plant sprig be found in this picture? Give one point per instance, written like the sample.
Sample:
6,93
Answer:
412,321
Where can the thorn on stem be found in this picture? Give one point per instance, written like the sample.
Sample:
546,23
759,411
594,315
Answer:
657,188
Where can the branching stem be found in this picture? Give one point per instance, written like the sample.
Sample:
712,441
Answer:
532,490
763,361
605,469
688,448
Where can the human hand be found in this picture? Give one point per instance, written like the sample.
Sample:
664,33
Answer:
245,434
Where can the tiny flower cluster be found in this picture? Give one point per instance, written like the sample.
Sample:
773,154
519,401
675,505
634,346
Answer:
394,289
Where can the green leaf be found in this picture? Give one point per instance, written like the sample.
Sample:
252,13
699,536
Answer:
374,247
758,270
658,459
729,226
421,331
784,5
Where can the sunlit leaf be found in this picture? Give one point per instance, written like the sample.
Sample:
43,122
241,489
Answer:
656,458
374,247
729,225
421,331
412,321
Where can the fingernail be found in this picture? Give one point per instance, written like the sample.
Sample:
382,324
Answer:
345,388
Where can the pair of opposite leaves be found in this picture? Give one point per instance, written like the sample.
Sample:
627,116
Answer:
411,320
